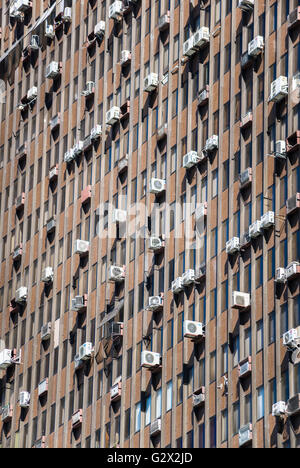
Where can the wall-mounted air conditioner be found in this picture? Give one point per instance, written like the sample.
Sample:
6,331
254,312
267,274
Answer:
151,82
162,132
188,277
293,203
150,360
67,15
279,89
188,47
46,331
280,149
5,359
32,93
116,273
116,392
156,244
246,120
245,367
24,399
256,46
240,300
96,132
18,252
245,435
47,275
155,427
21,295
177,285
245,240
280,275
49,31
155,303
201,37
291,338
125,57
53,70
157,186
164,21
116,329
85,351
123,164
245,178
99,29
77,418
89,89
55,121
51,224
199,397
81,247
78,148
79,303
201,211
69,156
203,96
200,273
7,413
193,329
233,245
294,18
278,409
190,159
267,220
293,142
53,173
255,229
116,11
292,270
113,115
20,201
43,387
212,143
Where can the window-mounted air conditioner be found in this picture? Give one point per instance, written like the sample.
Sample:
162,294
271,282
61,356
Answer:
245,435
245,178
78,148
188,47
201,211
53,70
193,329
32,93
123,164
294,18
47,275
188,277
279,89
18,252
67,15
155,427
116,11
116,391
150,360
278,409
292,270
116,273
190,159
293,405
46,331
119,216
246,5
116,329
256,46
280,149
81,247
89,89
113,115
291,338
201,37
156,244
267,220
240,300
79,303
255,229
24,399
69,156
87,143
245,240
157,186
246,120
99,29
293,203
200,273
245,367
233,245
150,82
53,173
7,413
125,57
155,303
164,21
177,285
55,121
203,96
77,418
51,224
96,132
49,31
280,275
293,142
43,387
21,295
212,143
199,397
85,351
5,358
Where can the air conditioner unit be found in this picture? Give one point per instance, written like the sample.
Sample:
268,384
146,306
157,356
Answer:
43,387
246,120
46,331
18,252
32,93
255,229
177,285
151,82
256,46
212,143
199,397
55,121
201,37
53,70
279,89
123,164
78,148
156,244
24,399
23,5
113,115
293,203
7,413
245,240
79,303
150,359
69,156
200,273
155,427
240,300
157,186
188,277
164,21
293,140
77,418
5,358
280,149
246,5
85,351
119,216
292,270
34,42
51,224
294,18
293,405
278,409
96,132
116,273
116,11
188,47
125,57
245,177
99,29
49,31
116,329
233,245
116,392
203,96
245,435
47,275
280,275
21,295
193,329
67,15
81,247
53,173
291,338
155,302
89,89
245,367
201,211
190,159
267,220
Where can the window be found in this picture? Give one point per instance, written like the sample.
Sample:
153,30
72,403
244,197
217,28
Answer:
224,425
227,58
169,396
235,418
137,417
259,335
216,67
260,403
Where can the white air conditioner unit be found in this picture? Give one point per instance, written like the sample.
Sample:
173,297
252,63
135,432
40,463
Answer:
53,173
188,47
79,303
99,29
246,5
212,143
113,115
256,46
78,148
24,399
280,275
150,82
293,203
292,270
34,42
156,244
193,329
164,21
51,225
43,387
200,272
280,149
188,277
81,247
255,229
77,418
116,273
245,367
155,302
49,31
55,121
125,57
199,398
177,285
157,186
240,300
116,391
291,338
116,11
203,96
85,351
5,359
53,70
47,275
245,435
279,89
267,220
155,427
89,89
119,216
201,37
69,156
190,159
233,245
201,211
67,15
21,295
96,132
32,93
7,413
245,177
46,331
150,359
278,409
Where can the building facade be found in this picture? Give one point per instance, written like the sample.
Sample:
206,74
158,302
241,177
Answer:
149,235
